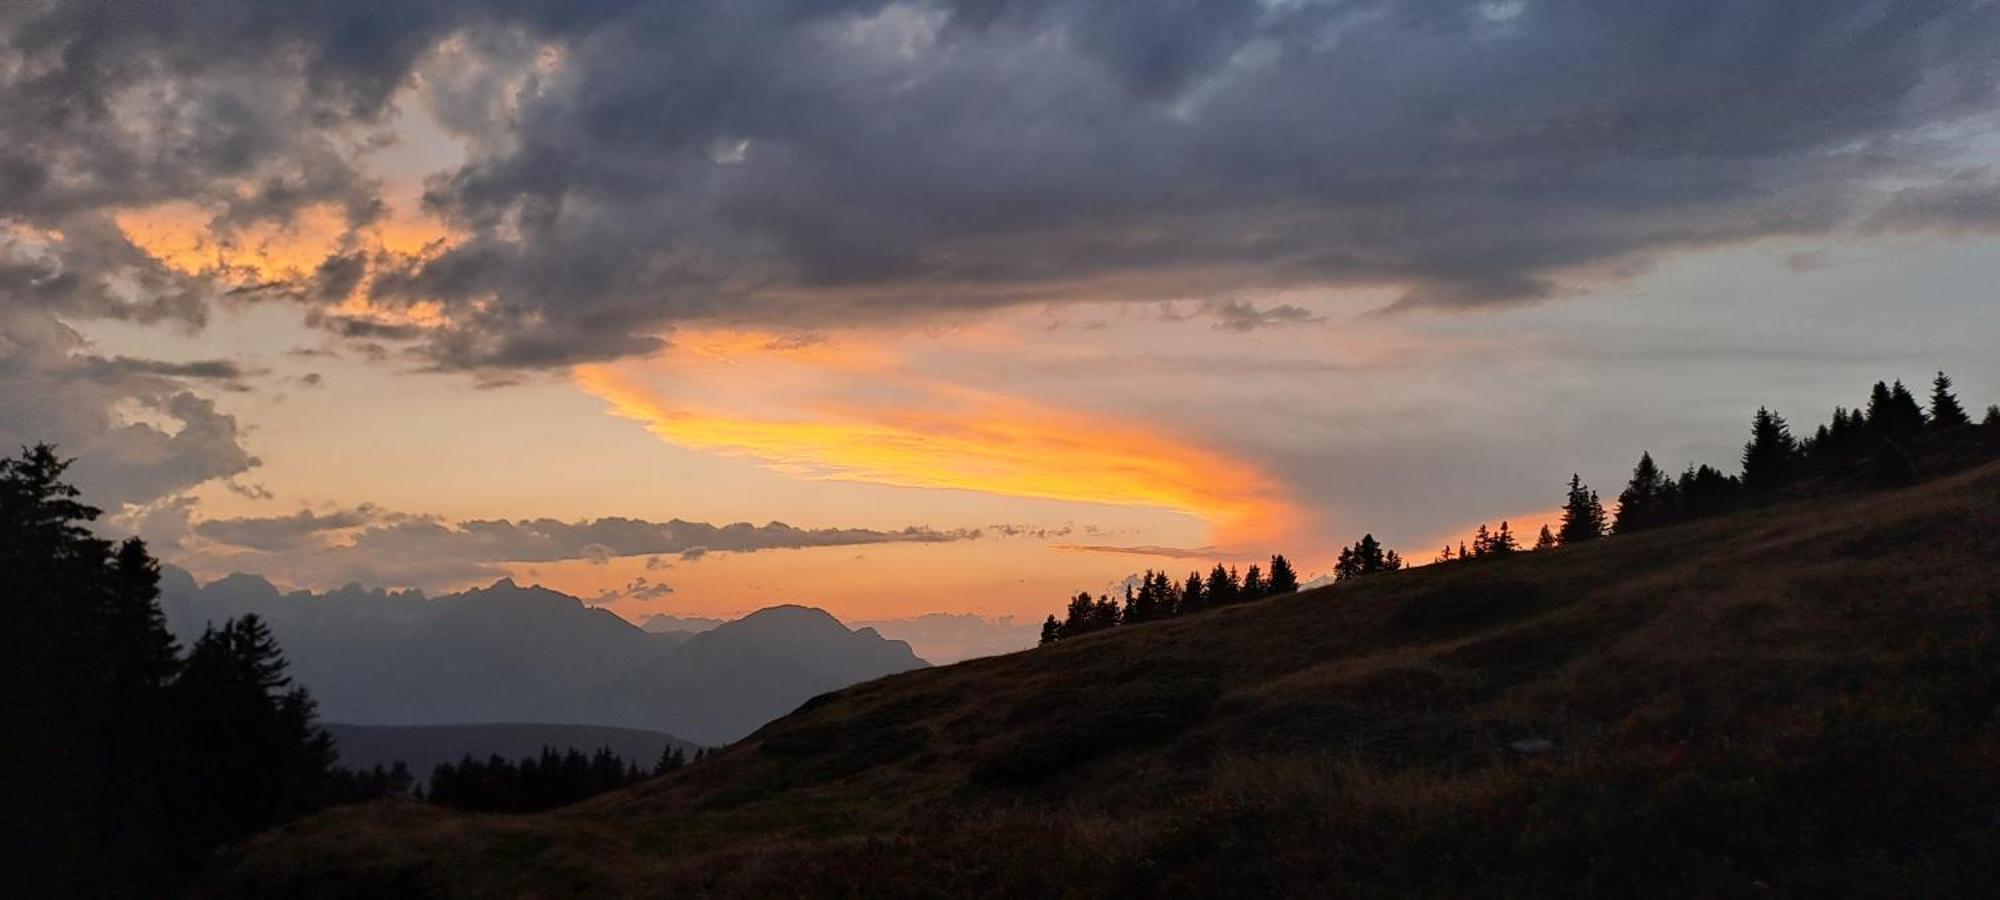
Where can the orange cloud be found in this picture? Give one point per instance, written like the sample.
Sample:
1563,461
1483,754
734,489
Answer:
964,439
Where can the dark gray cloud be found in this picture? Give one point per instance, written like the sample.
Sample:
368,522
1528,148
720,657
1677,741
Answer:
283,532
632,166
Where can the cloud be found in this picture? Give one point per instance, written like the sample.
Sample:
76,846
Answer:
137,429
1237,315
937,436
619,169
376,546
282,532
1967,202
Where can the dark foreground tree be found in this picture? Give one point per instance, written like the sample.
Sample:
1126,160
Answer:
122,767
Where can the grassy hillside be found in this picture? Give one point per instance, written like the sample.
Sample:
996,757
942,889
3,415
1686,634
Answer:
1798,700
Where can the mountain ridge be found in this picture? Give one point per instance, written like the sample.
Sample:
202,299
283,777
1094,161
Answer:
508,653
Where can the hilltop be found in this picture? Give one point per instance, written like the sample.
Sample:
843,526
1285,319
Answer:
1795,699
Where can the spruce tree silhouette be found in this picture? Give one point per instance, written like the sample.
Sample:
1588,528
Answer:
1193,598
1639,505
1284,579
1946,414
1770,455
1365,557
1222,586
1582,516
1546,540
1253,583
1893,413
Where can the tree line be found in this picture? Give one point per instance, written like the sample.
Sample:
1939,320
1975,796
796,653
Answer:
1158,596
1888,442
547,781
125,762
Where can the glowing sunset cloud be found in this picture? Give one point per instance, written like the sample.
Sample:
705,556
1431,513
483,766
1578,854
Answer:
974,441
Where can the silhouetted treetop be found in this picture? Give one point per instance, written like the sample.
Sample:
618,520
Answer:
1582,514
1945,411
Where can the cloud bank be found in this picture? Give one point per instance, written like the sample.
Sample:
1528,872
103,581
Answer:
373,546
614,169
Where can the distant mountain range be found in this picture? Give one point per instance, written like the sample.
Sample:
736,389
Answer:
507,653
423,747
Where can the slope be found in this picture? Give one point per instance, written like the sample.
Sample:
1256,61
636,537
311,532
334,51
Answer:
1794,700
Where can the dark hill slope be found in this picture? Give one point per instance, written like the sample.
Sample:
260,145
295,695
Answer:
1795,701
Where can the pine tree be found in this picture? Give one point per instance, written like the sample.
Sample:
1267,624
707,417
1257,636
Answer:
1444,556
1945,411
1503,541
1365,557
1583,515
1639,504
1253,583
1079,617
1193,598
1284,579
1051,630
1545,540
1482,541
1769,457
1894,413
1222,586
1992,419
671,758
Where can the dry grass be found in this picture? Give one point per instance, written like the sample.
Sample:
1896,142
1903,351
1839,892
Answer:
1794,701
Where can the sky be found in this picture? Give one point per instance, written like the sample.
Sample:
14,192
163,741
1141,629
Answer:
913,308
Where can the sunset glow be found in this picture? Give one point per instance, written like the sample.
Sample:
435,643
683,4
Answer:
973,441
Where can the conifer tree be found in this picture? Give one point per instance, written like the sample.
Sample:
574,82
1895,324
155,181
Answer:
1583,515
1365,557
1893,412
1639,504
1546,540
1193,598
1945,411
1992,419
1503,541
1104,614
1284,579
1482,541
1769,456
1222,586
1444,555
1080,617
1253,583
1051,630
